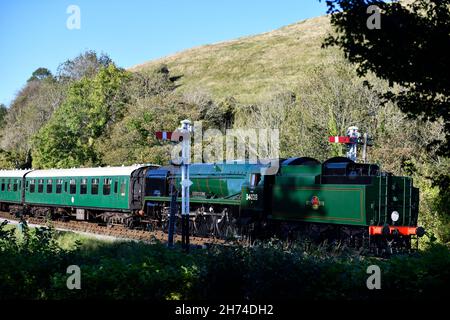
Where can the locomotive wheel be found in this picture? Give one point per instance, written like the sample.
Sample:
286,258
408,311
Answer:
201,227
228,230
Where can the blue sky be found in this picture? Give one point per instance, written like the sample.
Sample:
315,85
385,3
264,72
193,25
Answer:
33,34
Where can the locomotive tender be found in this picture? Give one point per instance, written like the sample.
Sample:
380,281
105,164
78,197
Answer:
338,198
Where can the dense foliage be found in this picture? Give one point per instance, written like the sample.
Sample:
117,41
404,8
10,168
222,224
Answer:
34,266
409,49
68,138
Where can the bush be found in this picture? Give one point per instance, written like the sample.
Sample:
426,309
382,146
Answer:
34,266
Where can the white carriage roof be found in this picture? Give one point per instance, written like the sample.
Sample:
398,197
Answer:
85,172
13,173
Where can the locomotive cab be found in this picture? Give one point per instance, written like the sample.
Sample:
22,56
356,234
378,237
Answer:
340,170
156,182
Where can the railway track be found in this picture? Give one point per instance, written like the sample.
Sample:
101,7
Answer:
115,231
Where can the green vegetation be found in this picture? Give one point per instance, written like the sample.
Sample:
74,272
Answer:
40,74
34,267
3,112
67,139
401,52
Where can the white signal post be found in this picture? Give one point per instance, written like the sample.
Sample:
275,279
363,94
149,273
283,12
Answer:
185,132
183,135
353,134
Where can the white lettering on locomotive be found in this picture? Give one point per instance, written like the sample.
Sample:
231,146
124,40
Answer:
251,196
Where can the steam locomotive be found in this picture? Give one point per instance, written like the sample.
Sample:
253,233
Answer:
337,199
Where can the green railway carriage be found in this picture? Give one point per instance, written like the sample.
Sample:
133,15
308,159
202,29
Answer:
11,191
113,189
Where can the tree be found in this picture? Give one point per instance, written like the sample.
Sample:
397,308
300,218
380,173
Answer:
68,139
410,50
3,112
152,82
86,64
29,111
40,74
152,106
328,103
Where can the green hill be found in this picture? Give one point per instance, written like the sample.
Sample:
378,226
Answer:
250,68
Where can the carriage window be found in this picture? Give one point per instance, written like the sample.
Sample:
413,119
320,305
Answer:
107,186
9,184
83,186
3,185
41,185
59,183
122,188
15,185
116,185
73,186
49,186
32,185
94,186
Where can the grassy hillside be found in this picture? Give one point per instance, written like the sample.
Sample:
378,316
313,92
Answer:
251,68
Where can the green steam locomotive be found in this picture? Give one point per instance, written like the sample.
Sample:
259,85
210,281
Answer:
336,199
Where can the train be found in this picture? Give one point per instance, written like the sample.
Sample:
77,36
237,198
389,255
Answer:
337,199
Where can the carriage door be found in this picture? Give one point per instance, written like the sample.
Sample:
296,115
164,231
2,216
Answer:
115,187
136,185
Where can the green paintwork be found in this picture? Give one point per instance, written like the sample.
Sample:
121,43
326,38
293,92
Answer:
295,187
222,180
117,199
11,190
388,194
305,173
196,200
289,194
343,204
215,184
252,199
350,204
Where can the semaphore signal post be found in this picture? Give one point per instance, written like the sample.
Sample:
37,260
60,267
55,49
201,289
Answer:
183,135
352,140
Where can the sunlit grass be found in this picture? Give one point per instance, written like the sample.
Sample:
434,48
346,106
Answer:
250,68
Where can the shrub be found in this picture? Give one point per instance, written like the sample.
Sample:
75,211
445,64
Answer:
34,266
